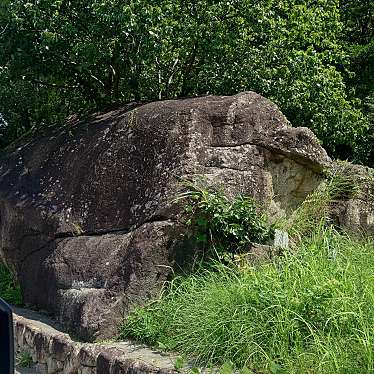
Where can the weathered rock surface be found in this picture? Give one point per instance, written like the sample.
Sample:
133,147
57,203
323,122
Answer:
87,218
355,210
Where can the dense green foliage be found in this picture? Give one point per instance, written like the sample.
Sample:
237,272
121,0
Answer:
308,312
358,37
9,289
60,57
223,225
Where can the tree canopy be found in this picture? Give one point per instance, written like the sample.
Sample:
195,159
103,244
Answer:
314,58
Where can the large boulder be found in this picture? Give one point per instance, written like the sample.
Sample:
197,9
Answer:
87,216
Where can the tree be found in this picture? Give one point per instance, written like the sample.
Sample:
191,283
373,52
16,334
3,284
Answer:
358,40
66,57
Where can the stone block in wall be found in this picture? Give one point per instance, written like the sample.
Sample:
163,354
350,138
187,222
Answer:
41,343
18,334
54,366
28,336
87,370
71,364
60,347
128,366
41,368
87,355
105,360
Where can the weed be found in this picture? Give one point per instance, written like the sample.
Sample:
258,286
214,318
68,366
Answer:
179,363
24,359
224,225
77,229
9,288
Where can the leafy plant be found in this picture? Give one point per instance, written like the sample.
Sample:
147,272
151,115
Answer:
24,359
179,363
226,368
10,290
223,224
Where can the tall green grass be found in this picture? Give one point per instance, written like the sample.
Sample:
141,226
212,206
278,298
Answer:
310,311
339,185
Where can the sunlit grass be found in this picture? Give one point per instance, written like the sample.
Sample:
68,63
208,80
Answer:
310,311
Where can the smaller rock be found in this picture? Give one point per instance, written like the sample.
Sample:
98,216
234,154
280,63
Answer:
260,253
353,209
281,239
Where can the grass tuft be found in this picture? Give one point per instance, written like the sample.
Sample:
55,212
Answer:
24,359
339,185
9,288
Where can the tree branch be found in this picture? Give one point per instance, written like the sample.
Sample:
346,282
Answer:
4,29
49,84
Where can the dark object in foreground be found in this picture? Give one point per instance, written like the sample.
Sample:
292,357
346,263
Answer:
6,339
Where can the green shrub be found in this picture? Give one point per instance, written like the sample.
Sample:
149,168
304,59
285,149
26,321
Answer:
9,288
308,312
223,224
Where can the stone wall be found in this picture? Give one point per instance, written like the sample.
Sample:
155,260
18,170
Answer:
53,351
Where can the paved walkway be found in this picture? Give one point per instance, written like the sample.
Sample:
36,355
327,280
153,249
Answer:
25,371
